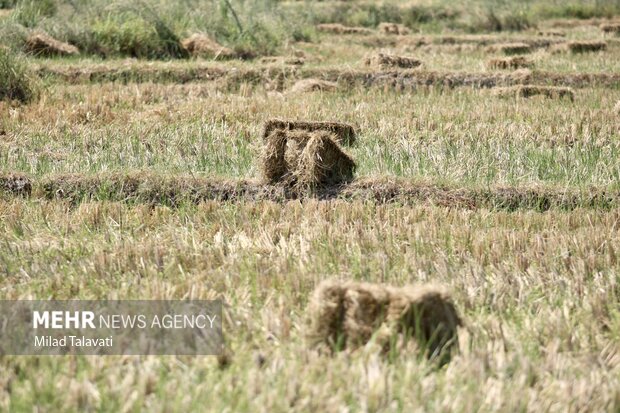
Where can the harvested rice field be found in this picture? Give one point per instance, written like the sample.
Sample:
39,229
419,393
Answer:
402,206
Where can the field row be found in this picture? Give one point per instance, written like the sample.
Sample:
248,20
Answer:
282,77
149,188
537,293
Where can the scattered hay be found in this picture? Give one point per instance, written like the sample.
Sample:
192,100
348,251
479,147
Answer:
200,45
527,91
515,62
580,47
386,61
393,28
617,108
551,33
347,315
510,48
305,160
344,133
313,85
293,61
611,28
337,28
41,44
15,184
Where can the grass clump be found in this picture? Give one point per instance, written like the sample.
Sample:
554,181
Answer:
30,12
135,35
16,81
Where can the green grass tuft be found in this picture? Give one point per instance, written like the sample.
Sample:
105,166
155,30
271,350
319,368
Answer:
16,82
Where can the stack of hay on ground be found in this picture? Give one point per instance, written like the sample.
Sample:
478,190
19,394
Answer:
393,28
611,28
305,159
387,61
347,315
344,133
526,91
337,28
313,85
580,47
41,44
200,45
515,62
510,48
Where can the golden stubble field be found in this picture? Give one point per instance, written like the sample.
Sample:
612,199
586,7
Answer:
487,163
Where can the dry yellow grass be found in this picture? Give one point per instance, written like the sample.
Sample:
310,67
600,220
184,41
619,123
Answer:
321,162
510,48
41,44
514,62
527,91
388,61
343,133
617,108
282,60
347,315
201,45
337,28
313,85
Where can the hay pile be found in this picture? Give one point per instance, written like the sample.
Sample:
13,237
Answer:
580,47
305,160
200,45
41,44
386,61
393,28
313,85
611,28
346,315
515,62
344,133
510,48
337,28
527,91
